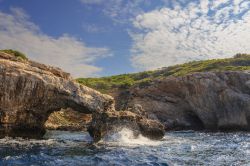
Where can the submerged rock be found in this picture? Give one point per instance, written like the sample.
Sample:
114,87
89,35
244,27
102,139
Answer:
30,92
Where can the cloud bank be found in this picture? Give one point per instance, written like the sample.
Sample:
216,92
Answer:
120,11
194,31
67,52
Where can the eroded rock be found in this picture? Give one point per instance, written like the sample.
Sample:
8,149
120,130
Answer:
209,100
112,121
30,92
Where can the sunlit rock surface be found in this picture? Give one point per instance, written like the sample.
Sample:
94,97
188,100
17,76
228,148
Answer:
30,92
206,100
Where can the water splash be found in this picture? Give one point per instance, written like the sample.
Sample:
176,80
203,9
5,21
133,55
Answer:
126,137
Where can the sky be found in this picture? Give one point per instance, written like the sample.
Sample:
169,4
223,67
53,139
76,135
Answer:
93,38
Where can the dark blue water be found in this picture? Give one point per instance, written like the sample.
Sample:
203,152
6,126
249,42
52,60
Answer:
177,148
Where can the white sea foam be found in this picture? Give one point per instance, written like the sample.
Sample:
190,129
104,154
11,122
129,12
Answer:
126,137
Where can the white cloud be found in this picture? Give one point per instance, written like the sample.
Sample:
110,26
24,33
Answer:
120,11
203,30
93,28
66,52
216,4
92,2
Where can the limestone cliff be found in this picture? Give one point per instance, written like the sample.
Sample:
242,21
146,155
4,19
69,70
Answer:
30,92
206,100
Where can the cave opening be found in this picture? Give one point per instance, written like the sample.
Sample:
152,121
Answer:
194,121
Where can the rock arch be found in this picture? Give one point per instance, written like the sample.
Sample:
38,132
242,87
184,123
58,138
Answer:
30,92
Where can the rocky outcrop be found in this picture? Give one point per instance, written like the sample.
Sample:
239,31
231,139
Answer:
209,100
113,121
30,92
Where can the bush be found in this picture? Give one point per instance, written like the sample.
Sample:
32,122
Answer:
239,55
144,83
15,53
125,85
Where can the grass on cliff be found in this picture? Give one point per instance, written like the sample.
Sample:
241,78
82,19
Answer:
106,84
17,54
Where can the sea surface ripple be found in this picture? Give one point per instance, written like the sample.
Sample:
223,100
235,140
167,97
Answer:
177,148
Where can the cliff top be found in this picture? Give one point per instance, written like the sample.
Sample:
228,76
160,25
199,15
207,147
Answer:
105,84
19,57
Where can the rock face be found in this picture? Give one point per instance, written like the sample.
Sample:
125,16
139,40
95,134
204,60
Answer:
30,92
111,121
212,100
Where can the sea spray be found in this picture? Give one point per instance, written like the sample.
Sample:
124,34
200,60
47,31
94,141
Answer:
127,137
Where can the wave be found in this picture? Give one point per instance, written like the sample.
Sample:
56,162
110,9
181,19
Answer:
126,137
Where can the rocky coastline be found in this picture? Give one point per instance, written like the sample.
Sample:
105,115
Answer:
35,97
214,101
30,92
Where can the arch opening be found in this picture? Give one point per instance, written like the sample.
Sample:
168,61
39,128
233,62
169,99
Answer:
68,119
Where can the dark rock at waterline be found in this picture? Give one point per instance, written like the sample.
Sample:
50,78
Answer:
207,100
30,92
13,130
112,121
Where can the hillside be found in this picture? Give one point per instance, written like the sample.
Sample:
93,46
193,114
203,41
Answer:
107,84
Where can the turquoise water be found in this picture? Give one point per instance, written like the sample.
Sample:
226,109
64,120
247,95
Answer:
177,148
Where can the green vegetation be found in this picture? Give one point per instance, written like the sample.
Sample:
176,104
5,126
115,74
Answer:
124,81
107,84
16,54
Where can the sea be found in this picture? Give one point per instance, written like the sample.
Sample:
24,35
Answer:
64,148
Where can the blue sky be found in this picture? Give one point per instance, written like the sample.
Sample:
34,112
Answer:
91,38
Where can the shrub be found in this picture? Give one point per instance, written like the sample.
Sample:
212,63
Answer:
239,55
126,85
15,53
